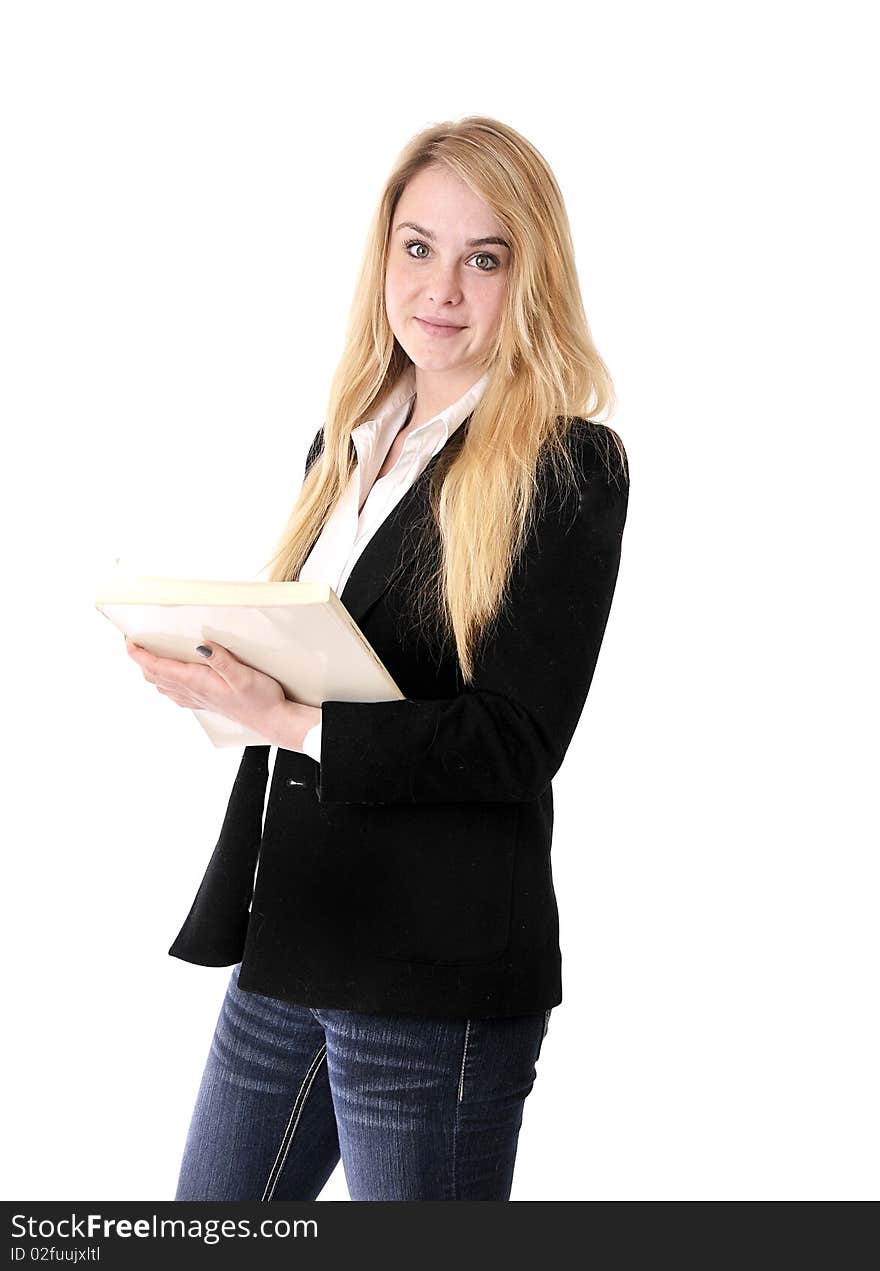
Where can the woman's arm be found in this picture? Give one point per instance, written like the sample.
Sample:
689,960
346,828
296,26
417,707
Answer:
504,737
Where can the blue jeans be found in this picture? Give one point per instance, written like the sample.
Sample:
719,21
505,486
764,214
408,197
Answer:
418,1109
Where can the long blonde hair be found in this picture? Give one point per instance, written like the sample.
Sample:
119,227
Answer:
546,376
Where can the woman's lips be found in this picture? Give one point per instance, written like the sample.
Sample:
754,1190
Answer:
433,329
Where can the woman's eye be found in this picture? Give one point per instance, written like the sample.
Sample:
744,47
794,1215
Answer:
417,242
487,256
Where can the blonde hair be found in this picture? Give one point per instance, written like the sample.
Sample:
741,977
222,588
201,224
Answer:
546,377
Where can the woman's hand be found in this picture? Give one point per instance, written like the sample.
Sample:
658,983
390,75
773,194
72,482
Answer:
229,687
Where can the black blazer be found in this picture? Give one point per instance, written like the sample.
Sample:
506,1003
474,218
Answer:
409,872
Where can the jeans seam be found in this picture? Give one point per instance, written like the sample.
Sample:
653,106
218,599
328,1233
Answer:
293,1121
456,1122
467,1033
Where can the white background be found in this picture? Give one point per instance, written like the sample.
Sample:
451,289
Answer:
187,193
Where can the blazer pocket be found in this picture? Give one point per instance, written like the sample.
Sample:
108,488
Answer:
440,881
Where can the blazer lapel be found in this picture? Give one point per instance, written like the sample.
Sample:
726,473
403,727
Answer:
375,568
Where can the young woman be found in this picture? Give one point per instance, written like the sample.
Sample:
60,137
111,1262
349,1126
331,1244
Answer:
391,919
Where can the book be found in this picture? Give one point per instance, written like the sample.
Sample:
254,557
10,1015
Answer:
299,633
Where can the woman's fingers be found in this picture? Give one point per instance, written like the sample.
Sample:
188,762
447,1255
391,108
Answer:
169,676
223,684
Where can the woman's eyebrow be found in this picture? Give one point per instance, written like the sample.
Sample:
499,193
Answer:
470,242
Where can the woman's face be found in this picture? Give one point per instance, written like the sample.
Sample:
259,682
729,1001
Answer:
450,263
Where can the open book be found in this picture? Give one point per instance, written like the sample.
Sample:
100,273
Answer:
299,633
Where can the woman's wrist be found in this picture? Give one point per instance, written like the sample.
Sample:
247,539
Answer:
288,722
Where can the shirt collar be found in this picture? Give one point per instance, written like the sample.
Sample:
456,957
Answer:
381,430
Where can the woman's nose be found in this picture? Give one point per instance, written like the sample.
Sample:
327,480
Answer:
444,286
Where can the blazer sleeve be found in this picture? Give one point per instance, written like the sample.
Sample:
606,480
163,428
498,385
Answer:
504,737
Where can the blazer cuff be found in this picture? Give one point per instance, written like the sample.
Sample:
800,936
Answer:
479,746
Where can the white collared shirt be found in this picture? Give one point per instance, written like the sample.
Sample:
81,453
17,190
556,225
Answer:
367,502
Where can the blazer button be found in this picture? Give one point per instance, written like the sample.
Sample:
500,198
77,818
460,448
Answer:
292,781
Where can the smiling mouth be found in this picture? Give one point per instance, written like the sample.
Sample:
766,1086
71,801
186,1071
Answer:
437,327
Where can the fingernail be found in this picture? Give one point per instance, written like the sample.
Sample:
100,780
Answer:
204,650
